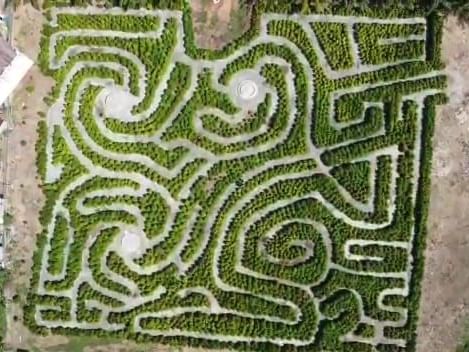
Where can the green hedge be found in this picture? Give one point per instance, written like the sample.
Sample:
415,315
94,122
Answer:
293,217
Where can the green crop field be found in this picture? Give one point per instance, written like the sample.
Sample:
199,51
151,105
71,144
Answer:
271,196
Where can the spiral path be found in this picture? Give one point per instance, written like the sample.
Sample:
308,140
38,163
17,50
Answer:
265,198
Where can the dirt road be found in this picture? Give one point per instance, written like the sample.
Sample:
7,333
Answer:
445,300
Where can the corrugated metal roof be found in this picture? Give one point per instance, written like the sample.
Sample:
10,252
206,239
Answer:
13,67
7,54
13,74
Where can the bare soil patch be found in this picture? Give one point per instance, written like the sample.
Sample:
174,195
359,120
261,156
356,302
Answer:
445,298
216,23
24,196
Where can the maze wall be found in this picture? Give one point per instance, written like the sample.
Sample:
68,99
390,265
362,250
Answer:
269,197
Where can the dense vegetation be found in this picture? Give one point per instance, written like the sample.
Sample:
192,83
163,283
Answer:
3,318
274,227
458,8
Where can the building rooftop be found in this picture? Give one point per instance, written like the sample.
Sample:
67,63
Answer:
13,67
7,54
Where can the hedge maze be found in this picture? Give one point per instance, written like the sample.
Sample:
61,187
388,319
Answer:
271,196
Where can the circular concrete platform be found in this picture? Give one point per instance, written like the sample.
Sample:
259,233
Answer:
247,90
130,243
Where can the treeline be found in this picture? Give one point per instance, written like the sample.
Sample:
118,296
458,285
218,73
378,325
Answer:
3,278
126,4
459,8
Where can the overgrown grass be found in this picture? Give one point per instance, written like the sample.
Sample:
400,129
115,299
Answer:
3,318
78,344
463,345
7,219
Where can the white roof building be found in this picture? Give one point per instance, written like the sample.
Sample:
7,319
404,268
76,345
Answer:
13,67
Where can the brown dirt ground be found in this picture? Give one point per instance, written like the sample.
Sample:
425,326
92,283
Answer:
445,302
216,24
24,196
